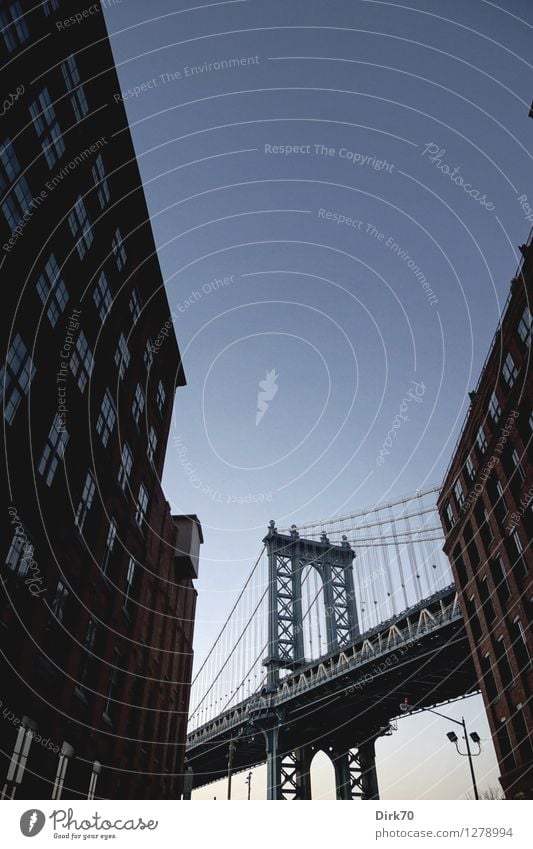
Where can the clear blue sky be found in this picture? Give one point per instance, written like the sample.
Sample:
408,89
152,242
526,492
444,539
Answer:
390,94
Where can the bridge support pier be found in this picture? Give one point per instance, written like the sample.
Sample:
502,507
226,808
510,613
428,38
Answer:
355,772
273,760
296,775
288,773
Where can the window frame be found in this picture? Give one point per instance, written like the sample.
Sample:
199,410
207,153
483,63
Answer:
51,288
80,227
141,507
15,382
53,451
86,501
126,466
510,370
107,417
81,361
46,125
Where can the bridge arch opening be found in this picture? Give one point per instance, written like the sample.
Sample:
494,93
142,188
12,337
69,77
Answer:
315,641
322,775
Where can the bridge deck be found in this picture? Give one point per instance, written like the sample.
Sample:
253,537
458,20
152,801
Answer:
342,698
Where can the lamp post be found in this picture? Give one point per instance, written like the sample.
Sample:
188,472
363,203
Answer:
249,783
230,766
405,707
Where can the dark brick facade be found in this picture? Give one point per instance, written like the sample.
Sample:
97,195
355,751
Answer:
97,605
486,511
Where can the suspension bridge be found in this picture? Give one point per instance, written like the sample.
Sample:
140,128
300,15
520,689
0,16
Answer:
338,622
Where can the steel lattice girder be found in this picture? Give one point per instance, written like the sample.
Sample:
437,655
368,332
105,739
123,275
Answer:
289,556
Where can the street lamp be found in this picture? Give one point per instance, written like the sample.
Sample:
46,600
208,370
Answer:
405,707
249,783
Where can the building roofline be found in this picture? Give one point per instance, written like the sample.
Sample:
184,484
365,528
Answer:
529,244
194,518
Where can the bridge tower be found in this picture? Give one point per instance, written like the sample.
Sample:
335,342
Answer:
288,557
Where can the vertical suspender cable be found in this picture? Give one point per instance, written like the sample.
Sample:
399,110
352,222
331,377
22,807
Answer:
399,559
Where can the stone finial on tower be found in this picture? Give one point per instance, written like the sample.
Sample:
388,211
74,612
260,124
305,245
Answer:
294,532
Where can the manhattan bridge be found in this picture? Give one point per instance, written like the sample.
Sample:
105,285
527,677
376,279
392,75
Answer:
338,622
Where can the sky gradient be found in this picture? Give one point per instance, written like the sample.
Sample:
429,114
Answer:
337,194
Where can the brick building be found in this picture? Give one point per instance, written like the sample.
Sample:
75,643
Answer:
97,599
486,510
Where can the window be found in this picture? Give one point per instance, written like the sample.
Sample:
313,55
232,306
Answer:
126,465
70,72
142,504
138,404
486,528
488,677
498,500
460,566
135,306
523,737
152,444
14,27
459,494
471,547
52,290
53,450
86,501
481,440
71,75
20,555
486,600
82,361
106,420
119,251
484,525
18,201
122,356
495,410
50,6
47,128
473,618
110,544
509,371
114,677
100,181
15,377
517,463
499,490
469,466
160,397
499,575
524,327
520,646
148,354
60,601
506,749
88,649
130,580
519,549
80,227
102,297
450,518
503,662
